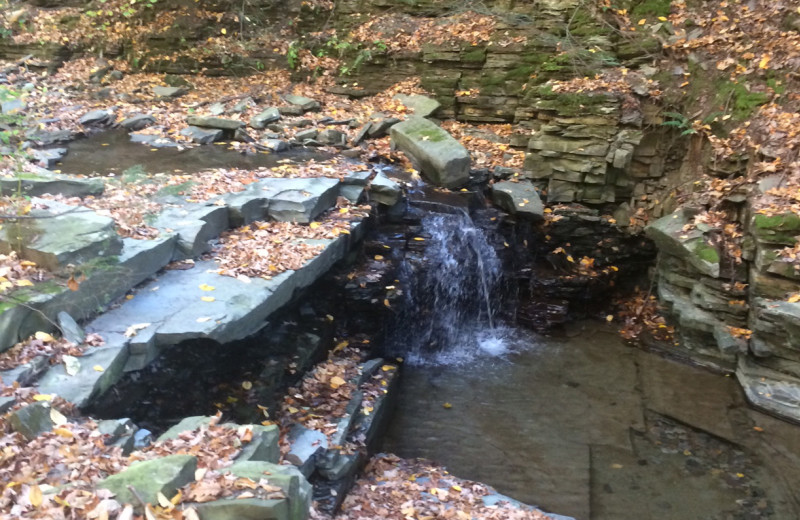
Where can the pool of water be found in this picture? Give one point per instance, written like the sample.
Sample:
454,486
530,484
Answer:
589,427
113,152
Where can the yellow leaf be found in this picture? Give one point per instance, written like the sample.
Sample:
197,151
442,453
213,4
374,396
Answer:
610,318
378,258
570,259
43,336
223,31
35,495
314,225
343,210
642,21
419,239
177,498
98,368
456,487
206,287
57,417
386,302
764,63
447,405
336,382
23,283
43,397
27,209
662,18
208,298
63,432
341,345
26,263
794,298
247,385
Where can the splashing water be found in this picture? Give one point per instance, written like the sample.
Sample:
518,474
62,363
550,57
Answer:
450,296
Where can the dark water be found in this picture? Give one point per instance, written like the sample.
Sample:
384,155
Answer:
113,152
592,428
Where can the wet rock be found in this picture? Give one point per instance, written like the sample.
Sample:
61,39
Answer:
442,159
70,237
300,200
154,141
116,75
384,190
187,424
266,117
214,122
137,122
45,138
305,103
241,135
381,127
354,184
31,420
518,198
6,403
49,157
169,92
275,145
97,118
164,475
771,390
304,135
201,135
423,106
306,447
70,330
332,137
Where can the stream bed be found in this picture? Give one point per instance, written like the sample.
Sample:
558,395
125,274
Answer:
589,427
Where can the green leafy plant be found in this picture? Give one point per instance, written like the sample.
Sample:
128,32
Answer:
679,121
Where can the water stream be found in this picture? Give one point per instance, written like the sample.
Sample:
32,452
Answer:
582,425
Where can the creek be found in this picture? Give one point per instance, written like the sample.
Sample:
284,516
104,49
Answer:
575,422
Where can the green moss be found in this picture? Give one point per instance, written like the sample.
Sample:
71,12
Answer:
175,190
521,73
785,222
743,102
474,56
707,253
433,136
651,8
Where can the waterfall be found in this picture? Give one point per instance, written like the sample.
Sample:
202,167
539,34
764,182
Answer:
450,293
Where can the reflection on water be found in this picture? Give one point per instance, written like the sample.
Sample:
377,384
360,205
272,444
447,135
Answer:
113,152
576,426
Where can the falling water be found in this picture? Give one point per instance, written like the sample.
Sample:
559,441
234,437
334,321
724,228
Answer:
450,294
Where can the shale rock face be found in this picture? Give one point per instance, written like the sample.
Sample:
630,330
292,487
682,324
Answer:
440,158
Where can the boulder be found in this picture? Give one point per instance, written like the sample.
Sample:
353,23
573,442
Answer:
31,420
96,118
380,127
169,92
690,246
518,198
164,475
306,447
49,157
266,117
423,106
137,122
201,135
384,190
70,330
215,122
244,509
332,137
305,103
63,236
300,200
305,135
275,145
442,159
293,484
12,106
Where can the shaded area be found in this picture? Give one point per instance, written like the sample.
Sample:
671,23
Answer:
567,424
114,152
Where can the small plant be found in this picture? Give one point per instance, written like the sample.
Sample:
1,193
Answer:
293,54
679,121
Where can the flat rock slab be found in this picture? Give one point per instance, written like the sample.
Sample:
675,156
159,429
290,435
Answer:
44,181
262,119
137,122
202,135
423,106
668,387
214,122
64,235
769,390
518,198
169,92
305,103
440,158
97,117
31,420
299,200
149,478
293,484
245,509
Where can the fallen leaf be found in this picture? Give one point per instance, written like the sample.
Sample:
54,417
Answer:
336,382
134,329
35,496
71,365
206,287
208,298
57,417
43,336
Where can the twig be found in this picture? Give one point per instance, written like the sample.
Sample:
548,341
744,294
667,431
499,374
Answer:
137,496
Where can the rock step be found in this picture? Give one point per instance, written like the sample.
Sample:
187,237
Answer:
171,309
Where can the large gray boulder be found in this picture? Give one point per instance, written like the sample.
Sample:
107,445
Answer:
215,122
690,245
423,106
518,198
163,475
440,158
266,117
